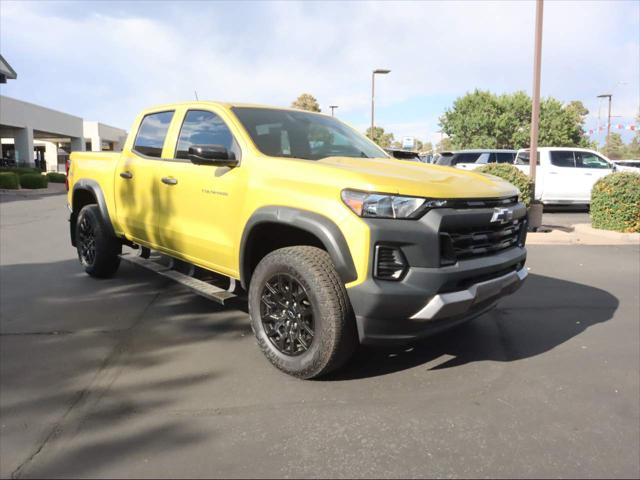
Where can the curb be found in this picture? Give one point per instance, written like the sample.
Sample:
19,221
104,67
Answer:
583,234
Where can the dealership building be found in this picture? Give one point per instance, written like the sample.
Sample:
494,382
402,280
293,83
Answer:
33,135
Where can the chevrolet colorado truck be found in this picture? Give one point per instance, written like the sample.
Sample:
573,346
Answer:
335,242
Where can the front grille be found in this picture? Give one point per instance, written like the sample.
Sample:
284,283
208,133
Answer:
389,263
468,242
481,202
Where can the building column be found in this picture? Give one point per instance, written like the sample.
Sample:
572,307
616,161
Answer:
96,144
77,144
24,146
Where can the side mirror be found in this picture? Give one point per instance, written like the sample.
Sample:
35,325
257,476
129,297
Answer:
212,155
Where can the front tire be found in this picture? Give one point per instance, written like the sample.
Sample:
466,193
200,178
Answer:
98,251
300,312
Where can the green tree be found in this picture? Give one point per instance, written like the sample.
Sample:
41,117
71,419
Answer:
482,119
578,108
380,137
444,145
614,148
306,101
633,149
426,147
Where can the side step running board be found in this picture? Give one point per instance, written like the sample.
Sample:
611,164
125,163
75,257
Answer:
199,287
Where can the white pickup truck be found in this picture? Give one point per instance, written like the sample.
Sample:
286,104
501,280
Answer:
565,175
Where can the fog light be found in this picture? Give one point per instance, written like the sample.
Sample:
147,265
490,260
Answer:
389,263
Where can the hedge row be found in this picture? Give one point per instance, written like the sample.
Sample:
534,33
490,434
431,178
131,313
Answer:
20,170
55,177
33,181
9,180
615,202
512,175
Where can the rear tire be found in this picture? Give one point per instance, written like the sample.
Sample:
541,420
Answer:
98,250
300,312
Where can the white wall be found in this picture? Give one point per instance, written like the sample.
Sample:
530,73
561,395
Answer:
99,132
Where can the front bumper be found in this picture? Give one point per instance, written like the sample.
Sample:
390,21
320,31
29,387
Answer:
431,297
454,304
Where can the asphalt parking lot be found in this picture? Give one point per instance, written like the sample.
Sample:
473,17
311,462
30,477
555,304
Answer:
135,377
564,216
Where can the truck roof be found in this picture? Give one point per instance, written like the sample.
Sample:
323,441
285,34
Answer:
544,149
227,105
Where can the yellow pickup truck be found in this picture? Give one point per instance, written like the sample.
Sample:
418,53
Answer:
335,242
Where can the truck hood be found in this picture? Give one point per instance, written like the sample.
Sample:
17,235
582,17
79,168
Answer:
419,179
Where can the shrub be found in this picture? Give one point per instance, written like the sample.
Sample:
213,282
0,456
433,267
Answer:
615,202
33,180
511,174
19,170
55,177
8,180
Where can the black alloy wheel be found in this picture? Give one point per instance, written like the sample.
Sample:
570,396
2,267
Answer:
287,314
86,242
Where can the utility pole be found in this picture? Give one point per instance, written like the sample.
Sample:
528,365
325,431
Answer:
381,71
333,107
535,110
607,95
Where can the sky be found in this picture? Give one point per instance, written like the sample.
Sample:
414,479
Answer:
106,61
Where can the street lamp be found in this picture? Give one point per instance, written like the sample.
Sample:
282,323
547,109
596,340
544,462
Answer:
535,213
333,107
607,95
381,71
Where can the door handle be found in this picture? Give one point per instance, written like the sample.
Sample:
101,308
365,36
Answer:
590,174
126,175
553,173
169,180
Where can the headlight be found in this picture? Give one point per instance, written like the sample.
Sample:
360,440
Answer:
380,205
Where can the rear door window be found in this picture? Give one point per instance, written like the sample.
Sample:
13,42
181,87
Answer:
152,133
505,157
562,158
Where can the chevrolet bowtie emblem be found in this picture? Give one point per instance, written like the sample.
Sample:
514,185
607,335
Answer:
501,215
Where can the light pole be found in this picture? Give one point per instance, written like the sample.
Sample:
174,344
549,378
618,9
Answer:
607,95
333,107
381,71
535,110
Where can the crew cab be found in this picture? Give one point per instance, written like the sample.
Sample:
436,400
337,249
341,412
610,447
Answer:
565,175
335,242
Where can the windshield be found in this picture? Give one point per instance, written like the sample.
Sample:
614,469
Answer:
523,158
286,133
444,159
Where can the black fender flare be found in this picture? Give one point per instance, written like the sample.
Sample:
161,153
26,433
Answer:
318,225
88,185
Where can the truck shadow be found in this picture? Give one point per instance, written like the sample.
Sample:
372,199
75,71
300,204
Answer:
66,338
545,313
